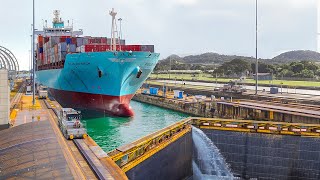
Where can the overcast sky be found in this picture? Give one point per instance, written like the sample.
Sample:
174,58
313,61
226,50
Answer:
180,27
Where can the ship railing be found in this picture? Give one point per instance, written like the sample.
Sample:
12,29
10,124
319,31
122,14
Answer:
132,154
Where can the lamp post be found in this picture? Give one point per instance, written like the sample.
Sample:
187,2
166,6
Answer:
30,52
257,69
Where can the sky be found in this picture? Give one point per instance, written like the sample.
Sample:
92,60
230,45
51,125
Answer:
182,27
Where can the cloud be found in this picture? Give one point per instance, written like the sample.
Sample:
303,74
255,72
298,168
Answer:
175,26
186,2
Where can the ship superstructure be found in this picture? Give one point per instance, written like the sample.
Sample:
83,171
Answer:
87,72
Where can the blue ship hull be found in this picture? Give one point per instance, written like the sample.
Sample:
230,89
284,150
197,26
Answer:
103,81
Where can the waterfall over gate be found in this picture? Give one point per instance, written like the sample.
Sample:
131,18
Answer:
208,163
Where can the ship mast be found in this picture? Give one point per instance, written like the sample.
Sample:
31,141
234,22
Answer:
114,30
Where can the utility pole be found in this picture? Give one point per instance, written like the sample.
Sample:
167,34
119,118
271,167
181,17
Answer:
33,56
257,68
170,68
30,53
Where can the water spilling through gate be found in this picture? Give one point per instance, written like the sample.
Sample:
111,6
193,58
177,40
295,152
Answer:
208,163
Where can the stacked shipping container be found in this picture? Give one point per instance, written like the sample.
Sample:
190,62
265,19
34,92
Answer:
54,49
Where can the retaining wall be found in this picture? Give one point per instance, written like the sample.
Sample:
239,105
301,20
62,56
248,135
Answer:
171,163
265,156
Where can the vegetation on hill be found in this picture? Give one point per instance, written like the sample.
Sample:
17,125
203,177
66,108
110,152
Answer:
300,69
296,64
217,59
299,55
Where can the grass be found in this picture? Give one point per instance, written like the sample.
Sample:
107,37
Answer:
209,78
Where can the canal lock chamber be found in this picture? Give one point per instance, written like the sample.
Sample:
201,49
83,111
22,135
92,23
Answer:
218,154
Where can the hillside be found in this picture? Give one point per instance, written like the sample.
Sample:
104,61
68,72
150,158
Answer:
210,58
298,55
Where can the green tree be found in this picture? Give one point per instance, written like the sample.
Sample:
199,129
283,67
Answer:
297,67
236,66
306,73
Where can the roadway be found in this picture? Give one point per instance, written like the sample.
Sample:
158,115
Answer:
260,88
35,130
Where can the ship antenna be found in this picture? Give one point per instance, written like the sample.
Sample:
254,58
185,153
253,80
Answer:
114,30
46,23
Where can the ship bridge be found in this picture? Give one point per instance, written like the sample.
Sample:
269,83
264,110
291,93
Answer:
58,28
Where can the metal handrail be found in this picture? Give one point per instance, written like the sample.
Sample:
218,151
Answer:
127,154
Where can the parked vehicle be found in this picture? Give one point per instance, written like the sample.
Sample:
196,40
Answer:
42,92
232,87
29,90
70,124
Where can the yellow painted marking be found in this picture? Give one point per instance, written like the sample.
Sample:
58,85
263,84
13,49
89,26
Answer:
148,154
287,132
309,134
264,131
13,114
225,128
271,115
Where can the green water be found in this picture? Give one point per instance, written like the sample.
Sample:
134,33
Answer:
112,132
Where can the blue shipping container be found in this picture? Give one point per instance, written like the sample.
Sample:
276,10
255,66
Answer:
62,47
79,41
72,48
68,40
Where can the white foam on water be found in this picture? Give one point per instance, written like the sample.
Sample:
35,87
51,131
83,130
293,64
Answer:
208,163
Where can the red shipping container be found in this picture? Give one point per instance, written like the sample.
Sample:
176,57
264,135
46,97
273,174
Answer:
74,40
104,40
62,39
90,40
128,48
99,48
40,39
41,56
88,48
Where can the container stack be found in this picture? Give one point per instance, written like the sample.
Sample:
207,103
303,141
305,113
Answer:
40,54
54,49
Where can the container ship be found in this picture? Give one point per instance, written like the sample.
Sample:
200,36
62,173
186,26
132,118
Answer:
95,73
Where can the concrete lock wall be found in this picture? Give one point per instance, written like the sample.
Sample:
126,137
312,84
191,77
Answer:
171,163
266,156
4,99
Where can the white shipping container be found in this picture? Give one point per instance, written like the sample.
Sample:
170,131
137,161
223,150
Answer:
122,41
82,48
78,49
